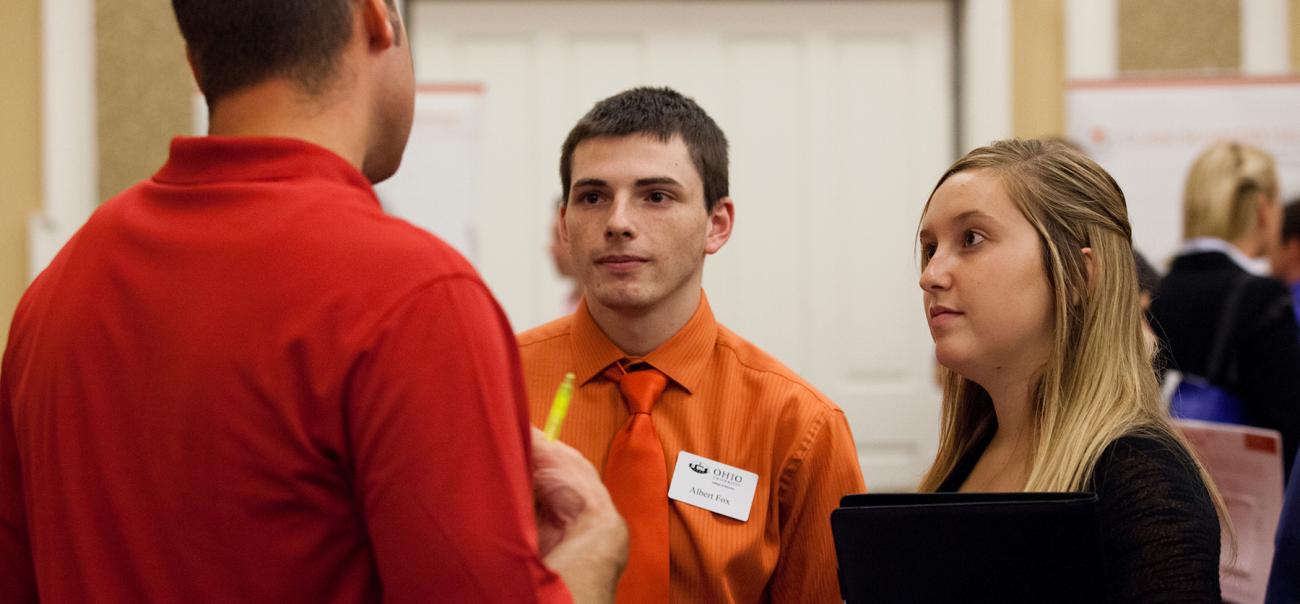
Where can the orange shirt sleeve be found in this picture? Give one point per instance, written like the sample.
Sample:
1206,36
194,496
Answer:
823,469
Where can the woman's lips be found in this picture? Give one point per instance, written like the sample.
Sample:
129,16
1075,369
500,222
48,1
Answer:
942,315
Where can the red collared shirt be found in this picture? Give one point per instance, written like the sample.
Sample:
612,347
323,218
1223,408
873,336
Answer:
241,381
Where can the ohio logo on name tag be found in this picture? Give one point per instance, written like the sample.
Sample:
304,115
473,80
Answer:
713,485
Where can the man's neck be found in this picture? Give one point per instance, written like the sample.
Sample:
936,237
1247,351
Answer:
278,108
638,332
1288,264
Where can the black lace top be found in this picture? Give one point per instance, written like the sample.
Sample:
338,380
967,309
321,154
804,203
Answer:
1160,531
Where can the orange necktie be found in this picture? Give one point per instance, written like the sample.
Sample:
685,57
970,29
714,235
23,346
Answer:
637,479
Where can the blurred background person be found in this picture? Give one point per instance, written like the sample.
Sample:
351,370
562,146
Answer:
1148,283
1286,260
562,261
1231,221
1284,580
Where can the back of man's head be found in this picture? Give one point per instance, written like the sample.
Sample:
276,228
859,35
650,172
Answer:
1291,221
1286,258
662,113
238,43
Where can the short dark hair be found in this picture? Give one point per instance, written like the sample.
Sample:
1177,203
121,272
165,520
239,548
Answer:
1291,220
1148,276
663,113
238,43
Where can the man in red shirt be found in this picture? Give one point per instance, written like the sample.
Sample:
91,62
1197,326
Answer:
241,381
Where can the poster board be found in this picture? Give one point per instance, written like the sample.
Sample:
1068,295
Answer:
437,184
1147,132
1246,466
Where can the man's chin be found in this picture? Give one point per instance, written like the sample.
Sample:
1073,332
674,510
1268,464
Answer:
622,301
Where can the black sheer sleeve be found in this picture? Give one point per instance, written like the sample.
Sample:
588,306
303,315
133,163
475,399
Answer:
1160,530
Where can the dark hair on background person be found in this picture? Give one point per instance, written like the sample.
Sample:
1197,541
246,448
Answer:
238,43
662,113
1291,220
1148,276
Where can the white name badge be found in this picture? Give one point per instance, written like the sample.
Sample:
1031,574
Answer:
713,485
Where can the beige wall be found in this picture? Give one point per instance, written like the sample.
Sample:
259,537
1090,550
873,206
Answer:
1038,67
1179,36
1154,37
144,89
20,145
1295,35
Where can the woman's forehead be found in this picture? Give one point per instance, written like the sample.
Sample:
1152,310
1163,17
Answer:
969,195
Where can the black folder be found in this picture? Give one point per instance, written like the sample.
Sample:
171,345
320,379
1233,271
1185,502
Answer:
969,547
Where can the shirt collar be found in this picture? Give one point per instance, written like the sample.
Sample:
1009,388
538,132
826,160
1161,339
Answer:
207,159
683,358
1198,245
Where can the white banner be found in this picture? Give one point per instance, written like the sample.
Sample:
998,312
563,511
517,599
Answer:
1146,134
436,187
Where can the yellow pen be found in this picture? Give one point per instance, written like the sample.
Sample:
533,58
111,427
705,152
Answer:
559,407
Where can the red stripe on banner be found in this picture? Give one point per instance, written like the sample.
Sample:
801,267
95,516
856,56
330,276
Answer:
1266,444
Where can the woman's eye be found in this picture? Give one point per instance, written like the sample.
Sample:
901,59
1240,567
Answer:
928,250
972,238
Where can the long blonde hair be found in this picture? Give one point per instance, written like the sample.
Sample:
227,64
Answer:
1096,383
1225,186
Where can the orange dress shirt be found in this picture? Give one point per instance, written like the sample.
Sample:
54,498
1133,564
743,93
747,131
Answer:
730,402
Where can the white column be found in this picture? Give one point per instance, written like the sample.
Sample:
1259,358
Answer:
1091,39
985,72
68,127
1265,37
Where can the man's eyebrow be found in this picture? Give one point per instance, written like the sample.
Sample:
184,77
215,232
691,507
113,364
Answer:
657,180
590,182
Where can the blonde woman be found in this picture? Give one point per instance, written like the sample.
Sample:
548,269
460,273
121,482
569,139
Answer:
1231,222
1032,297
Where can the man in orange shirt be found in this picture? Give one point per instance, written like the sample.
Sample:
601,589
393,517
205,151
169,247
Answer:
725,463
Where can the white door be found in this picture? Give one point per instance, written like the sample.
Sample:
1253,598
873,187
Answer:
840,118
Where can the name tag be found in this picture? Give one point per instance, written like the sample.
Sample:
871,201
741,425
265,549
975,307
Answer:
713,485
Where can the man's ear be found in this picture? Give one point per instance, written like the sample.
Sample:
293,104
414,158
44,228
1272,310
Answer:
194,67
381,30
563,226
721,219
